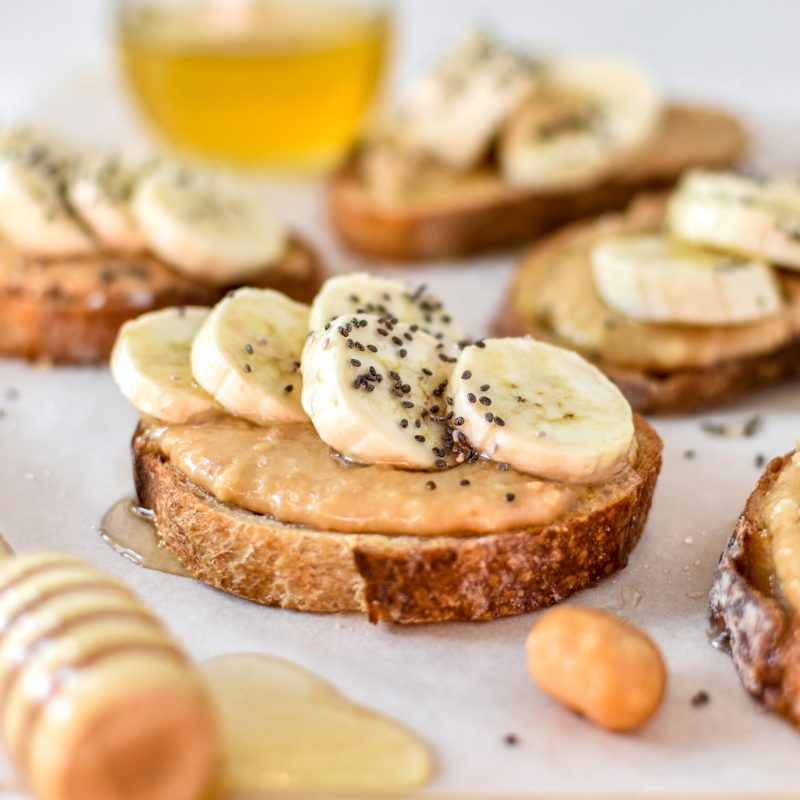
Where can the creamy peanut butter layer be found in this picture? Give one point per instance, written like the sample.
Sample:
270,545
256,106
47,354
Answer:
93,281
782,515
555,292
115,279
287,472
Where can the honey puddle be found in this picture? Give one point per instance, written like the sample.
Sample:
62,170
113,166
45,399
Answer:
283,727
132,532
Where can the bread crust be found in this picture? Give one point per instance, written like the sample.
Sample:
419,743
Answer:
66,327
679,391
402,579
693,136
761,634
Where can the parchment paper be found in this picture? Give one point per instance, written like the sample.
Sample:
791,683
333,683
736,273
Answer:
64,460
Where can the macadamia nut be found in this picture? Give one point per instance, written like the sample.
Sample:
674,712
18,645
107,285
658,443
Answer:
598,665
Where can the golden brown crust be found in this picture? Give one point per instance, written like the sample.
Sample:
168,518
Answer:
505,217
763,636
683,390
70,311
403,579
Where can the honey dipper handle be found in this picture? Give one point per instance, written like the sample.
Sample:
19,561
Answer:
97,701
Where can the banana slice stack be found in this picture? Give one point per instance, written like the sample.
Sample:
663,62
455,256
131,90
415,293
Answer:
454,113
714,265
591,115
560,123
382,372
57,202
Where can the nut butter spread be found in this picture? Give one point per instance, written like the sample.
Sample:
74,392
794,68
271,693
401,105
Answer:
287,472
92,281
782,515
114,279
555,291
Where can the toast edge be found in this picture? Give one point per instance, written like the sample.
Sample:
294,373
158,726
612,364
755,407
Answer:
763,639
393,578
47,330
513,218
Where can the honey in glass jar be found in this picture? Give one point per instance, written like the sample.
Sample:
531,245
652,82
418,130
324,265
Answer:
276,83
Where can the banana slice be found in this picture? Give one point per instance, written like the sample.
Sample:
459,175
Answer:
207,225
100,191
34,212
741,215
542,409
362,293
590,115
658,279
375,390
455,112
247,355
151,364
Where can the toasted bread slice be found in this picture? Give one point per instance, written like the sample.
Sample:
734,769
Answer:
650,388
402,579
748,618
680,391
483,213
69,310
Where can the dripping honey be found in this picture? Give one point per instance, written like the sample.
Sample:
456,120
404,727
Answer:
283,727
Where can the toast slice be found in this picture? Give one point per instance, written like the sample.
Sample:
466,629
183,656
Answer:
748,616
681,391
402,579
482,213
69,310
653,388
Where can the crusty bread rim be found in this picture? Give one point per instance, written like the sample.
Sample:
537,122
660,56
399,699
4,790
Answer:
763,637
469,225
403,579
657,391
681,390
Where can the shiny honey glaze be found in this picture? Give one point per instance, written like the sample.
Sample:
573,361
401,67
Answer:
283,727
131,531
277,82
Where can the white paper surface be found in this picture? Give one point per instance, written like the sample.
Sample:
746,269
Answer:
64,446
64,460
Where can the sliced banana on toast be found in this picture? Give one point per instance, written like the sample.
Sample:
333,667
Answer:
756,219
101,190
362,293
542,409
247,355
151,364
658,279
590,114
375,390
207,225
35,214
453,114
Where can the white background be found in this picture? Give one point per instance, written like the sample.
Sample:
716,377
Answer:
64,460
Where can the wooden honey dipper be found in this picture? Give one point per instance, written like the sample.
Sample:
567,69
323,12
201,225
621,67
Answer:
97,702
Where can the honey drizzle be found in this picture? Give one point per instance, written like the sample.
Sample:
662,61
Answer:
131,531
283,727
